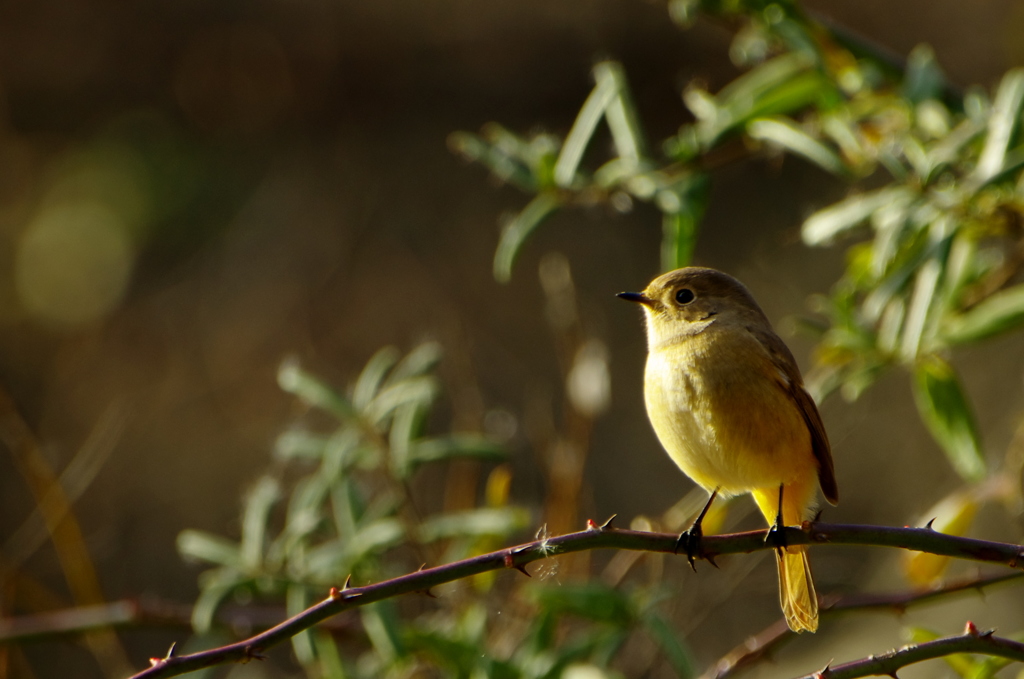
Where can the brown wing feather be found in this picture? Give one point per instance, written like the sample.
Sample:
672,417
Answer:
794,386
819,443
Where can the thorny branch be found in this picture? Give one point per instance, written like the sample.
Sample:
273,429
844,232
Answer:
601,537
887,664
775,635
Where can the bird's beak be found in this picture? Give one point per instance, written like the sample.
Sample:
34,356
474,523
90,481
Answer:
638,297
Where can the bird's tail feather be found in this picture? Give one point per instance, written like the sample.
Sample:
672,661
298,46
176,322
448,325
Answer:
796,589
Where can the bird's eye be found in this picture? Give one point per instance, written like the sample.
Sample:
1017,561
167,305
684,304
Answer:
685,296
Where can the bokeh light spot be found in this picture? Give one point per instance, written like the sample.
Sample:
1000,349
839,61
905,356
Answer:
73,263
110,174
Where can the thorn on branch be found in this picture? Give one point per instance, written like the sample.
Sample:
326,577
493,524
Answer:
253,652
824,671
928,526
608,524
424,592
511,563
809,528
343,593
970,629
153,662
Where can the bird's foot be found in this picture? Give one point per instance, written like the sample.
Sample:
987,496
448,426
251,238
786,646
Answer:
689,540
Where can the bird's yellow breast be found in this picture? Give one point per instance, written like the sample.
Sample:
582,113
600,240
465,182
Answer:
721,409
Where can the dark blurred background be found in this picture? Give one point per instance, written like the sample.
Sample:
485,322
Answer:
192,192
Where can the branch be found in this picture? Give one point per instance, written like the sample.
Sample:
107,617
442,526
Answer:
776,634
146,612
971,641
595,537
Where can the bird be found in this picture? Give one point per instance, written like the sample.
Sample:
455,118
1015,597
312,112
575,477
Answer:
727,402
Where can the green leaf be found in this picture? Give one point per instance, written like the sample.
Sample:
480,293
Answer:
787,134
1000,313
593,601
296,600
947,414
306,505
258,503
372,376
381,623
678,240
783,85
330,663
604,92
517,229
405,427
890,224
962,663
338,453
294,380
456,445
924,78
676,651
420,390
217,584
375,537
926,283
299,444
441,646
927,303
505,167
346,506
681,220
419,361
325,562
825,225
764,77
911,256
621,113
1001,125
948,150
474,523
202,546
683,12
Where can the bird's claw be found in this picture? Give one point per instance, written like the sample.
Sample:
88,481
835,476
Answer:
688,542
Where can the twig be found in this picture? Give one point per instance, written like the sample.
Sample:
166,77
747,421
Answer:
919,539
887,664
147,612
775,635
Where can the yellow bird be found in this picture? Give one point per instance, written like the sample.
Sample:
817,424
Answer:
727,402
